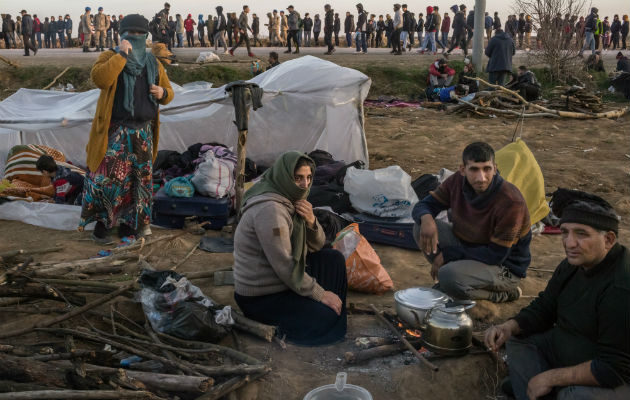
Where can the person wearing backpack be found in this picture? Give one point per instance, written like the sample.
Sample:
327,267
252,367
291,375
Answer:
590,26
430,28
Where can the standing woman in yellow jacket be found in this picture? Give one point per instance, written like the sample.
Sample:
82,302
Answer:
124,136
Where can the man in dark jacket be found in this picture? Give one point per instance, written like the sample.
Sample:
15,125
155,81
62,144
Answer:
526,84
243,27
590,26
293,25
61,32
499,51
470,23
459,29
337,28
348,28
307,23
329,22
420,28
68,23
8,28
571,342
623,64
361,29
27,32
615,30
496,23
404,35
255,29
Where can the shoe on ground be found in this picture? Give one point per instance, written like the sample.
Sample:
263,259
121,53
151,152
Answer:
35,52
296,52
100,235
398,53
251,54
125,230
226,52
231,52
515,294
287,52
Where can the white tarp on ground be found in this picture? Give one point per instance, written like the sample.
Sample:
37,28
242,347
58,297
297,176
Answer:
309,104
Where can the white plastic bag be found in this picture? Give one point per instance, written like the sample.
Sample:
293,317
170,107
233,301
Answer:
207,56
385,192
214,176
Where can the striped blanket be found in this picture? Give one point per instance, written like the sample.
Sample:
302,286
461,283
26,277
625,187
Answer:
23,158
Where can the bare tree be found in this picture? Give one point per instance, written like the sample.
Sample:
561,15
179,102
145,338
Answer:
554,47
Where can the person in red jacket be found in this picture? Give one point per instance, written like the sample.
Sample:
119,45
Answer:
446,26
37,31
189,25
440,74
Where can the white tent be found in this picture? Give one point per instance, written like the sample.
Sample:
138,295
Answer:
309,103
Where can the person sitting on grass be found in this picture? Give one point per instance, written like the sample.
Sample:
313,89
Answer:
485,252
526,84
440,74
68,184
573,340
466,77
282,276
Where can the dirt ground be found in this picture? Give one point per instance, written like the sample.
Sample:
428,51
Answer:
587,155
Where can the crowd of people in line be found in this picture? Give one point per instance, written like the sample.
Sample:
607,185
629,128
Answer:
401,30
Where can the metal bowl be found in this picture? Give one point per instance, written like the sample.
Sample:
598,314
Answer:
413,304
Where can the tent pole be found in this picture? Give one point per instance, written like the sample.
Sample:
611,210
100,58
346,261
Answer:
240,167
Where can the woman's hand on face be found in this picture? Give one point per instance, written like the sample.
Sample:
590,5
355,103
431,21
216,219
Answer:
305,210
333,301
125,46
157,91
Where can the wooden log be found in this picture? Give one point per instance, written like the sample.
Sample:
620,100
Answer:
209,347
167,353
245,324
228,387
208,371
23,369
77,311
78,394
12,253
413,350
39,292
81,283
367,342
12,386
111,268
155,380
375,352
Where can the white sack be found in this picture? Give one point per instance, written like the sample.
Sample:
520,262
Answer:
384,192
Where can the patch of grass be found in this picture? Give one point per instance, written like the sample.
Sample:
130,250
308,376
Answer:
216,74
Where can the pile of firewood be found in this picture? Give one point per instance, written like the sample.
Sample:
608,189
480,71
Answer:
508,103
575,98
75,336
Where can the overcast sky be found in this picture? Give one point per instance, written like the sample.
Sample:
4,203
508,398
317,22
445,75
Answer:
261,7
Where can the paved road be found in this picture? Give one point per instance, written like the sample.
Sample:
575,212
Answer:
346,56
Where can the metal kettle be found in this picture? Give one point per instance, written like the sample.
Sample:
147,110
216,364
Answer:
447,329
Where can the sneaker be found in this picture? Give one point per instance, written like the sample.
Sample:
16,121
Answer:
100,235
125,230
287,52
226,52
35,52
251,54
145,231
231,52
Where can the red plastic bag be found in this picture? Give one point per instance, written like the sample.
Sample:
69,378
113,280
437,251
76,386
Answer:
363,265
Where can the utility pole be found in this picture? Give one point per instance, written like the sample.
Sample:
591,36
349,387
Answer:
478,34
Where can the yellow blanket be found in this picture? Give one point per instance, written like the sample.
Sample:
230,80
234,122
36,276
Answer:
517,165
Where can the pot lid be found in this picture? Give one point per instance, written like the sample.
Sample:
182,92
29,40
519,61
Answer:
420,297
